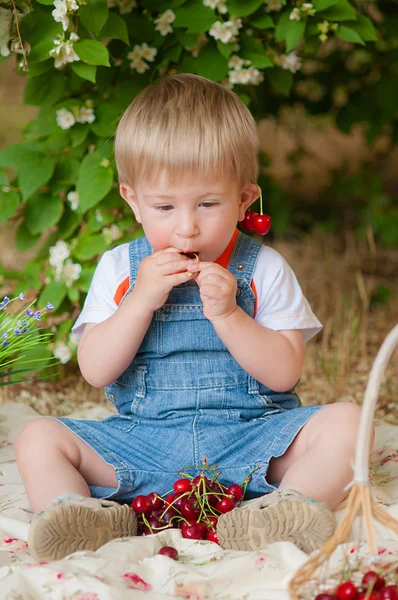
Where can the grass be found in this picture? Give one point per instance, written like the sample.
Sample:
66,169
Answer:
352,287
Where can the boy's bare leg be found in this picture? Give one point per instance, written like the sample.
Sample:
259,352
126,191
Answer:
53,461
319,462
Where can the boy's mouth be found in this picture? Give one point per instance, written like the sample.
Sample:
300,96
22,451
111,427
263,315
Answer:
191,254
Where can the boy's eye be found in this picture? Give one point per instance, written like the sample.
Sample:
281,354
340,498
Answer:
164,208
208,204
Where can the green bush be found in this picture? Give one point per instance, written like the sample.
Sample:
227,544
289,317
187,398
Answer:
85,61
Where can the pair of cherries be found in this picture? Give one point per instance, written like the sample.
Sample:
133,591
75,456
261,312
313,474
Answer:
258,222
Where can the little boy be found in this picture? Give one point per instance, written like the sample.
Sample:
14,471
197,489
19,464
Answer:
200,356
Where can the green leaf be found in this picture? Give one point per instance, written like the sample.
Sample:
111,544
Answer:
16,154
39,25
289,31
79,133
73,294
115,28
45,90
94,181
225,49
186,39
211,64
42,211
349,35
34,174
40,68
341,11
46,2
280,80
9,202
321,5
194,16
69,223
262,20
94,14
242,8
252,49
24,240
106,118
85,71
40,52
92,52
91,246
365,28
54,292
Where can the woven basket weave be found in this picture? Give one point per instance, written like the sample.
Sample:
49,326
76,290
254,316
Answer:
359,497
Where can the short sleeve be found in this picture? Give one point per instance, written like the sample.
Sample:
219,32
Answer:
280,300
99,303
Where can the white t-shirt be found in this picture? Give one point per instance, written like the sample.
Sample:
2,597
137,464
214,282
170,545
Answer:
280,301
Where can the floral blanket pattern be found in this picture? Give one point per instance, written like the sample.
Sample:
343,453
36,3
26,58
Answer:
131,569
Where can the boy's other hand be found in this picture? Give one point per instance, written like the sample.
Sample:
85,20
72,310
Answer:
217,289
158,273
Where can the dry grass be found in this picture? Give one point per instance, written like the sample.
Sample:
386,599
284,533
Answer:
339,278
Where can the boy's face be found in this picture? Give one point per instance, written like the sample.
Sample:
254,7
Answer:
193,215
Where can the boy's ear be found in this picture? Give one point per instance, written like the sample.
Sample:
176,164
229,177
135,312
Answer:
128,194
249,194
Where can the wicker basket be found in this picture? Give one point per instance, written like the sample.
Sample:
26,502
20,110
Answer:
307,581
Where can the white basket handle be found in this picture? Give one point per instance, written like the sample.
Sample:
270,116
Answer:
361,465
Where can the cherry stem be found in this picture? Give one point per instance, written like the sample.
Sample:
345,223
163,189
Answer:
261,199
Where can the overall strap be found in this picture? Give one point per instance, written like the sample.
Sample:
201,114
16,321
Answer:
138,250
244,258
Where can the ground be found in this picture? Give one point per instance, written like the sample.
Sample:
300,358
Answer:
352,287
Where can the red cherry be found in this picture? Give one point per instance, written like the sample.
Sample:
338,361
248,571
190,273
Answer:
201,483
247,222
190,509
390,592
142,504
169,515
262,224
212,537
169,499
169,551
347,591
365,596
157,501
325,597
226,504
182,485
213,522
187,523
236,491
192,532
371,578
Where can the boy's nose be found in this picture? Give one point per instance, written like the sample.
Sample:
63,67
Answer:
187,226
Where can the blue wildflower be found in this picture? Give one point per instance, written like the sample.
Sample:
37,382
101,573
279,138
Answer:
25,329
21,296
37,315
4,334
29,312
5,300
49,306
17,332
5,343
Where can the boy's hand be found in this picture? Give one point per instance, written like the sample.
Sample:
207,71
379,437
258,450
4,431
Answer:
217,289
158,273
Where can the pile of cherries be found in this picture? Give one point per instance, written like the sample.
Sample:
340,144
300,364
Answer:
193,506
373,586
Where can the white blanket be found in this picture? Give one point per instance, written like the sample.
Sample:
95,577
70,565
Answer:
130,568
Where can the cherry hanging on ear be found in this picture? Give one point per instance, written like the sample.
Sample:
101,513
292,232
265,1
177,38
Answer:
260,223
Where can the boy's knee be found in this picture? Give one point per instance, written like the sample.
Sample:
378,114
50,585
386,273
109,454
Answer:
35,436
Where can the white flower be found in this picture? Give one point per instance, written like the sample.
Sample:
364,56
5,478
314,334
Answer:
139,65
74,339
245,76
225,32
70,272
256,76
148,53
163,22
63,52
136,53
58,253
295,15
65,118
60,13
211,3
290,62
126,6
112,233
62,352
235,62
272,5
233,77
308,8
73,198
4,51
99,216
222,7
86,115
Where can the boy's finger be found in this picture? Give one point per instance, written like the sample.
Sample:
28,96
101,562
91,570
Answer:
164,250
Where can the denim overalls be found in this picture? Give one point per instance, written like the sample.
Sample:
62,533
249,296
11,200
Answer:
184,397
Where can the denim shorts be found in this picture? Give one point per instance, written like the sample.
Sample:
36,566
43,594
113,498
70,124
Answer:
147,455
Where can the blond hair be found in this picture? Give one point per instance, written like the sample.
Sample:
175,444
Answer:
186,123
